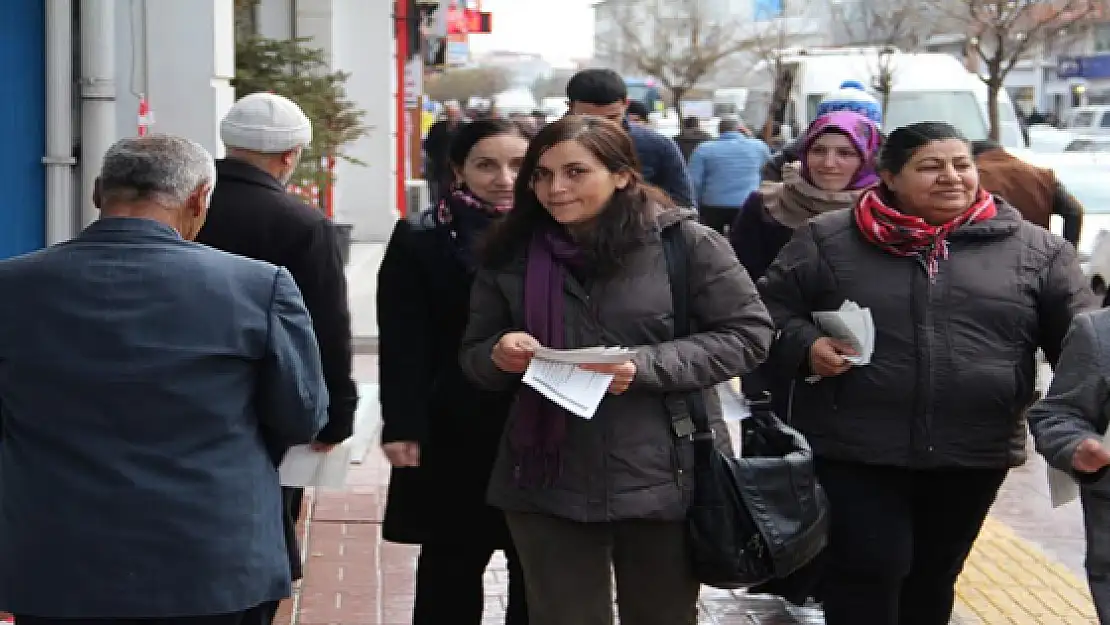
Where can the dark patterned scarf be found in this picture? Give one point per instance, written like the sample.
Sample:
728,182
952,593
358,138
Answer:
464,217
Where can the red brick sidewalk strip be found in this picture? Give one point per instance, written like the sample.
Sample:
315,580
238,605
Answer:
353,577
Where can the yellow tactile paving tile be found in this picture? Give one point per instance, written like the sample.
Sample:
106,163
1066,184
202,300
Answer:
1008,580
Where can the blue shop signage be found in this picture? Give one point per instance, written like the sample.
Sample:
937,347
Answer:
1094,66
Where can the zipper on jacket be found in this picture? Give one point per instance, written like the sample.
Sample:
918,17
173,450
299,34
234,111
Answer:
929,374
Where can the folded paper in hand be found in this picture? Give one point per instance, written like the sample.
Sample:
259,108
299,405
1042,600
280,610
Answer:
555,374
304,467
850,324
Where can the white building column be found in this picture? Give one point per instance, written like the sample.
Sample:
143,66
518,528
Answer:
356,37
366,195
181,55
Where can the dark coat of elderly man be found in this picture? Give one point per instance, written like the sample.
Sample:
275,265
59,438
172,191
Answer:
140,376
252,215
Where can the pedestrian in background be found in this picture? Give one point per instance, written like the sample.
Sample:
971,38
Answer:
912,447
602,92
638,113
253,215
441,432
1035,191
839,152
851,96
142,374
579,263
725,172
690,137
437,167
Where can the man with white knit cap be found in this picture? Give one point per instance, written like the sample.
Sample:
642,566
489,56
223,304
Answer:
252,215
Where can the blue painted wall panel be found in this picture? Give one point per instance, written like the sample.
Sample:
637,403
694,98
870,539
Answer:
23,126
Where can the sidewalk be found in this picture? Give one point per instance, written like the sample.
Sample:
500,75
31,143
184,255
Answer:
1026,567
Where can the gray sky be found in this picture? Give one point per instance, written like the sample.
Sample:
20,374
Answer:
560,30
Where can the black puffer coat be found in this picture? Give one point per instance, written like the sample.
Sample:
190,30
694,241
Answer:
953,367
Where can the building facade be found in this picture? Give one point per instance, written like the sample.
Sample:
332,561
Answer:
76,70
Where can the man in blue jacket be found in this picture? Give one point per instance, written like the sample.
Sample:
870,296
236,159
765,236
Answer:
725,171
602,92
141,377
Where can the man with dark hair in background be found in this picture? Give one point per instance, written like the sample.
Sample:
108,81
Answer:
690,137
638,113
602,92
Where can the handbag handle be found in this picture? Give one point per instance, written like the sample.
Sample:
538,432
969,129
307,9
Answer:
695,422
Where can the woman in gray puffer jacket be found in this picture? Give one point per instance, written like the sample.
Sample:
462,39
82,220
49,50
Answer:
579,263
913,447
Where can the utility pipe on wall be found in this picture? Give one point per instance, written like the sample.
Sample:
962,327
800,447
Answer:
98,95
61,214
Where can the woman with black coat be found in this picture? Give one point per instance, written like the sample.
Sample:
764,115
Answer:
440,432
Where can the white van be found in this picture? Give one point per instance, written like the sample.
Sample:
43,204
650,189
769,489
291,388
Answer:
926,87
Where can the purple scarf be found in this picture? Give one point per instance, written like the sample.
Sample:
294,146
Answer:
539,426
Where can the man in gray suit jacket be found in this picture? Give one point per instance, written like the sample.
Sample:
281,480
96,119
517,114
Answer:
142,377
1068,425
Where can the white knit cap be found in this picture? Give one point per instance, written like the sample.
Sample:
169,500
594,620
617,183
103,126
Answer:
266,123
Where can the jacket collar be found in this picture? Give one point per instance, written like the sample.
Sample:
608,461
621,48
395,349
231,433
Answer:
1005,223
730,135
128,229
242,171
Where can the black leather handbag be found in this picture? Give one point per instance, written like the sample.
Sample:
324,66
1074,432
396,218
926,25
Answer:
753,518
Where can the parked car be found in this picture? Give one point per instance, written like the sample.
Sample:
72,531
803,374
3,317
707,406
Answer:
1089,144
1085,175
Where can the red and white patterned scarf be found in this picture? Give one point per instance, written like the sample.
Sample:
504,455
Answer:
906,235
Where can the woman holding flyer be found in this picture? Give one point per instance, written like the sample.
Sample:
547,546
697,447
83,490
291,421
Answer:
579,263
912,446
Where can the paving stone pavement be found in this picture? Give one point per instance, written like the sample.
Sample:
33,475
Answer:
1026,567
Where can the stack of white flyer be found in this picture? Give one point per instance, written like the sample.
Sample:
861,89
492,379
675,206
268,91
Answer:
303,467
850,324
555,374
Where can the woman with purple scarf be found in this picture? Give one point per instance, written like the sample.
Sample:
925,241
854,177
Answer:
440,432
579,263
838,153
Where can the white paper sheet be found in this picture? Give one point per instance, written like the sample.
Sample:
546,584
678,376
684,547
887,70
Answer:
569,386
734,406
850,324
586,355
305,468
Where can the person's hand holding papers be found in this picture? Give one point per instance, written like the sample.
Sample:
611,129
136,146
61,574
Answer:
622,373
513,353
828,357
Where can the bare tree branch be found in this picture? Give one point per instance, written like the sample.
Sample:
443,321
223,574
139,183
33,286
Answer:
679,42
1001,33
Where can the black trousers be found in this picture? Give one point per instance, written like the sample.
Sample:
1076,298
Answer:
291,499
259,615
719,218
450,589
898,539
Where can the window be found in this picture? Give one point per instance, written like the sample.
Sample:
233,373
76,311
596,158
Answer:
1100,35
958,108
1082,119
1105,123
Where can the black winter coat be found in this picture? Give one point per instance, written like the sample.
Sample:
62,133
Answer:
423,306
252,215
953,367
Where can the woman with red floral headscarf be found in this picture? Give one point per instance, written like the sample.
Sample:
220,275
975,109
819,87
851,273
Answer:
912,447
